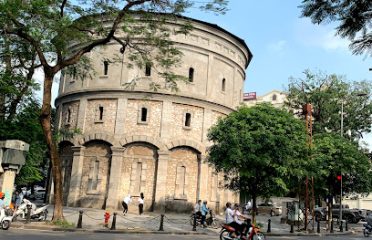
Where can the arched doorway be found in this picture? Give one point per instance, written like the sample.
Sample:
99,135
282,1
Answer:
183,180
95,174
139,171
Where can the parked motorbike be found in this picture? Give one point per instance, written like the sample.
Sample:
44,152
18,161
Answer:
40,213
5,219
227,233
210,219
367,229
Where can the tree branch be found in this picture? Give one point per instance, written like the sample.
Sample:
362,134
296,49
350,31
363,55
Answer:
62,7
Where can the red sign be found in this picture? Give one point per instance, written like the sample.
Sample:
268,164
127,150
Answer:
249,96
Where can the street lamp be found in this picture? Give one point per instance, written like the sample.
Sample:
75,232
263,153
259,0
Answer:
342,133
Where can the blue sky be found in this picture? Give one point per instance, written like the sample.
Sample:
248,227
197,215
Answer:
284,44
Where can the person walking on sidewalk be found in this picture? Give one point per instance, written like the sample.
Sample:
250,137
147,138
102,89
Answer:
204,212
140,204
125,203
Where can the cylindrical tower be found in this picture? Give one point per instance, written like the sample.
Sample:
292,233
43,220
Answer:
137,140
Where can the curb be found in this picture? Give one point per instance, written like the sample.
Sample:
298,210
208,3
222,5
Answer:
311,234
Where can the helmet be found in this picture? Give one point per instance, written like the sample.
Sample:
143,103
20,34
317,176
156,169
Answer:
2,195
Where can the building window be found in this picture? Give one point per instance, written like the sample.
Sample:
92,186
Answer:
99,114
68,120
223,87
274,97
148,69
93,175
105,67
143,114
180,182
191,75
187,120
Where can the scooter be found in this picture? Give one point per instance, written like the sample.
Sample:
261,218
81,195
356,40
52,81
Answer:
5,220
367,229
36,213
227,233
210,220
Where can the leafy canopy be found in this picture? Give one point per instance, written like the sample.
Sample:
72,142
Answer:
352,16
326,93
260,148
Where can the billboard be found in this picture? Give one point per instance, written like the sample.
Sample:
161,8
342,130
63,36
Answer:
249,96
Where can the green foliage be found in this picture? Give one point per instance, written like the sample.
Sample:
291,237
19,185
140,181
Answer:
326,94
333,155
261,149
26,127
63,224
353,19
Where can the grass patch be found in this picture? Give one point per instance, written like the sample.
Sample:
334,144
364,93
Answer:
62,224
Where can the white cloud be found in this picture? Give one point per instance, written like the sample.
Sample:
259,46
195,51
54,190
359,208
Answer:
278,46
322,36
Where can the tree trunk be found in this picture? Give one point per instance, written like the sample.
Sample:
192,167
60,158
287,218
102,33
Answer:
254,208
45,119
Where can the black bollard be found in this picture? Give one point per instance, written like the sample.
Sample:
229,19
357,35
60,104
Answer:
291,227
269,225
194,224
113,225
318,226
28,215
346,226
80,221
341,227
161,228
331,226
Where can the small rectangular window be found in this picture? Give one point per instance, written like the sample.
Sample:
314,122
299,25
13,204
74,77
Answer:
188,120
223,87
148,69
105,67
144,114
100,113
191,75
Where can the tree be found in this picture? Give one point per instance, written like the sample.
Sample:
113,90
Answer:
326,94
52,27
261,149
353,18
25,126
334,155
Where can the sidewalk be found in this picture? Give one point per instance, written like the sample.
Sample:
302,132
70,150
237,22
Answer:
93,220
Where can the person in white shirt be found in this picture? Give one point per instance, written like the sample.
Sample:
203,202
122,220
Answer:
125,203
238,217
197,209
140,204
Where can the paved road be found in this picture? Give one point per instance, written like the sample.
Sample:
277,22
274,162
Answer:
16,234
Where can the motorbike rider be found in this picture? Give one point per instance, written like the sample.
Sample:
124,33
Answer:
229,218
197,209
2,205
238,217
204,212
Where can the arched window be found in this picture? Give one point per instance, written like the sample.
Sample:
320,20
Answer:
274,97
191,74
105,67
148,69
187,120
180,182
223,87
143,114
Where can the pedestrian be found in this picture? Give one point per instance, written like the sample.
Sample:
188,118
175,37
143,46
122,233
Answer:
18,199
204,212
140,204
125,203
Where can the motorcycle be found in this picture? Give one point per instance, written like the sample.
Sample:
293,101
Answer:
5,219
40,213
367,229
210,220
254,233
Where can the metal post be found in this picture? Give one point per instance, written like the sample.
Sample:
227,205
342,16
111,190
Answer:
341,227
194,224
80,221
269,225
342,133
331,226
291,227
28,215
161,228
113,225
318,226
